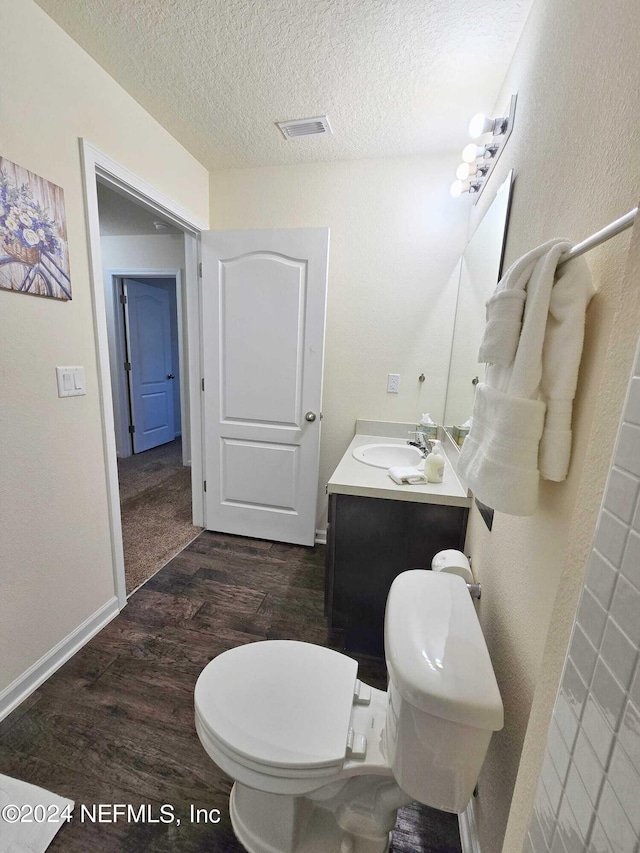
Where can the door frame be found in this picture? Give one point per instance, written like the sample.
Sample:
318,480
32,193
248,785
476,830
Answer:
121,386
97,166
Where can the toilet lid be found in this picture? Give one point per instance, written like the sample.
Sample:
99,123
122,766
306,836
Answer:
279,702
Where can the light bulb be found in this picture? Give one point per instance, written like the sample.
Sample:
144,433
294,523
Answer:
459,187
471,151
463,171
480,124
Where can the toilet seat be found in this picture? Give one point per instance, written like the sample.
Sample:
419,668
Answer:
277,708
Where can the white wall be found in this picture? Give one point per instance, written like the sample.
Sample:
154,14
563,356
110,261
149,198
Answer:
589,787
396,236
54,536
577,167
139,252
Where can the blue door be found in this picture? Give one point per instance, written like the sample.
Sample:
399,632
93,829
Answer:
151,374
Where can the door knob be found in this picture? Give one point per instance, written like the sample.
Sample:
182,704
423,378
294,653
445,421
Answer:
171,376
310,416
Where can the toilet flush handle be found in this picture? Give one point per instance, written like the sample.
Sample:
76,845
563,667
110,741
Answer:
475,590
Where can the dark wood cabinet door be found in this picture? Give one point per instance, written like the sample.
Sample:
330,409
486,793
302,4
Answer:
369,542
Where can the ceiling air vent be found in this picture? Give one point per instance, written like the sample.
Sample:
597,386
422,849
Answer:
304,127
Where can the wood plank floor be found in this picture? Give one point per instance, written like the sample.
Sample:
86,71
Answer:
115,724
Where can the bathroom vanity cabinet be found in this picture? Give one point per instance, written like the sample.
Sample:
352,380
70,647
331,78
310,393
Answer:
369,542
376,530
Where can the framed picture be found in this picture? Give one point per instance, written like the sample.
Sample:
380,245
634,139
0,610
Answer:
34,255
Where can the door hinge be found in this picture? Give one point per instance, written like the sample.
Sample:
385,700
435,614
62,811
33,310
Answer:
205,485
200,270
132,429
127,365
202,383
123,298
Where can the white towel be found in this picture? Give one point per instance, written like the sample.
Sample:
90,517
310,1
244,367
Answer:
502,332
505,308
499,457
522,412
35,837
407,474
561,354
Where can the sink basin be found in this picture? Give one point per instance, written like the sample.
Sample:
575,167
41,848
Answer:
387,455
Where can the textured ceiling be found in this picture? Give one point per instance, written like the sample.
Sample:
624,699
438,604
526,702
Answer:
395,77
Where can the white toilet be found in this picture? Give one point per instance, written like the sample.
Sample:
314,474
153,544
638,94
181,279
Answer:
321,761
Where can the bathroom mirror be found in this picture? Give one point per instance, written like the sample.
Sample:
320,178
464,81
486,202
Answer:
480,271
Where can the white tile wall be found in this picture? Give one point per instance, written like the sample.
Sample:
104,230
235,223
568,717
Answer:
588,798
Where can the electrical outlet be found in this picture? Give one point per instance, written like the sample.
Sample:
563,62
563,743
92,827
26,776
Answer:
393,383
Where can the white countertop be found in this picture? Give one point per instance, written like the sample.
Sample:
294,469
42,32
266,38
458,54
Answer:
352,477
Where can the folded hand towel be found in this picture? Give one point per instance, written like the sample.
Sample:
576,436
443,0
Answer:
499,458
555,444
24,837
561,354
406,474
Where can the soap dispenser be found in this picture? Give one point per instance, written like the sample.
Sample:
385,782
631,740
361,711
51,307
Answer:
434,464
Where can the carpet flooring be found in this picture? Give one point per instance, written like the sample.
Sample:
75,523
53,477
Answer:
155,507
116,724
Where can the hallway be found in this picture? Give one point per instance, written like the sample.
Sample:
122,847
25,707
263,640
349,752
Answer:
155,505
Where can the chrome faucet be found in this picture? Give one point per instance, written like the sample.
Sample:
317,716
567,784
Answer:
422,442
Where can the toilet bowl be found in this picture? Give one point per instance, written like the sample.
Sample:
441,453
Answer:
322,761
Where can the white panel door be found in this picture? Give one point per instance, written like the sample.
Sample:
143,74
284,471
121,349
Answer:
151,376
263,311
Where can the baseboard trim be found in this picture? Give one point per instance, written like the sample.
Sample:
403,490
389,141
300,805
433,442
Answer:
321,536
468,830
30,680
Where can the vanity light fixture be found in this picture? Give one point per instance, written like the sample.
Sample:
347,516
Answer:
459,187
467,170
472,152
480,124
480,160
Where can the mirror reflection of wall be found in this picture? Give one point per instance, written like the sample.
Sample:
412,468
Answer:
480,271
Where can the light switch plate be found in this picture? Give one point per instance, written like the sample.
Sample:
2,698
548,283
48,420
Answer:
71,382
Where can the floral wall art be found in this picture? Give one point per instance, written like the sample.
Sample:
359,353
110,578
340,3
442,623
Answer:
34,256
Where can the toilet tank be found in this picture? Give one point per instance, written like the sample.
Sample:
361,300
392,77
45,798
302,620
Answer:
444,702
